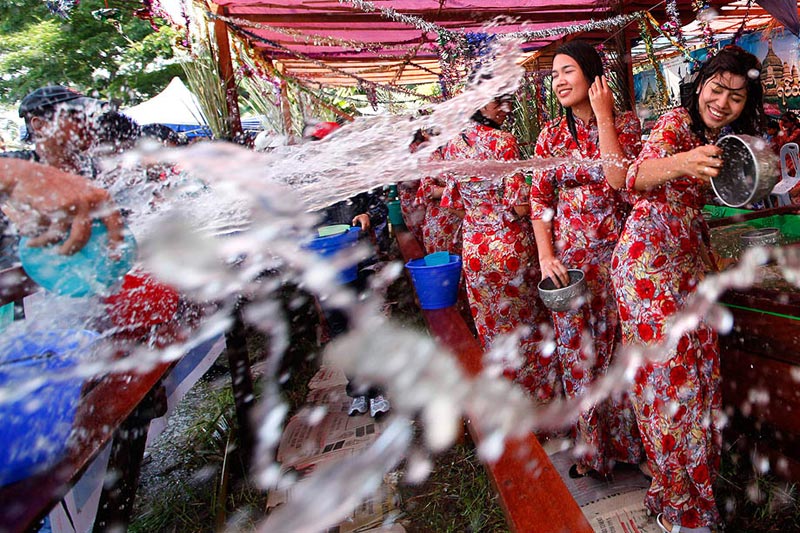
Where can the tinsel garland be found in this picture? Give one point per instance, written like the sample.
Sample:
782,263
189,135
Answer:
681,47
673,25
648,45
607,25
391,14
314,39
704,15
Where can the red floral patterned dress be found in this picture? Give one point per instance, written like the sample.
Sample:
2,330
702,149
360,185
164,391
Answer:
656,267
499,254
413,213
441,228
588,217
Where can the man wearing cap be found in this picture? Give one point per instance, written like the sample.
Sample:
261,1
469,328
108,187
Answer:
60,122
43,191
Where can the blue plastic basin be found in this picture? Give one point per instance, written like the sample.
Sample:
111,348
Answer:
88,271
333,244
35,427
436,285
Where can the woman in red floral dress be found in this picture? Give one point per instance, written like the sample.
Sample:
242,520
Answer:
657,264
441,228
576,206
499,257
413,212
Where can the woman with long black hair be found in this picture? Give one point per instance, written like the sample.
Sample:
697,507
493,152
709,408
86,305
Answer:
577,218
657,265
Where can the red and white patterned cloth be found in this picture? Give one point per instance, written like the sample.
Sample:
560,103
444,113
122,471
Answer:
656,267
587,218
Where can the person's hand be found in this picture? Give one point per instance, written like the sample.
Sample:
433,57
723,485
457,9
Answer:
601,97
702,162
554,269
47,205
361,220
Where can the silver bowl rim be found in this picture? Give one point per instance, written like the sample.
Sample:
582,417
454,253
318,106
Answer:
744,143
554,292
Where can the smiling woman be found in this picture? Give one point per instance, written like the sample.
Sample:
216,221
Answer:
661,257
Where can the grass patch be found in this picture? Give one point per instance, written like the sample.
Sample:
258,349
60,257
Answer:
457,497
753,502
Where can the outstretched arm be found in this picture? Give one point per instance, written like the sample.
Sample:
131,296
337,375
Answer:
48,204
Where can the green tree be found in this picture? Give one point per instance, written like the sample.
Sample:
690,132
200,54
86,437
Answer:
121,58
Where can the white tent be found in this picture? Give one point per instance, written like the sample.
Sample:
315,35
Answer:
176,106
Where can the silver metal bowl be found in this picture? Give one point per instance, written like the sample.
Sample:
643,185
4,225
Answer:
761,237
564,298
750,169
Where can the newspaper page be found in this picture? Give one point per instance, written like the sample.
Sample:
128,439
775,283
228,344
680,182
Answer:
309,441
615,506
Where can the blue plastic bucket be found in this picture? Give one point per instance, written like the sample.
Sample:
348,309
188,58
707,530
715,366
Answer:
88,271
333,244
436,285
35,426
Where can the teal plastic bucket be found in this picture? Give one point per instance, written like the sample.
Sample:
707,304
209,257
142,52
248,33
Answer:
88,271
333,244
436,285
395,214
35,427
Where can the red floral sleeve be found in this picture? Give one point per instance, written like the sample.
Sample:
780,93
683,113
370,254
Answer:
426,186
507,148
516,191
665,139
629,134
543,189
451,197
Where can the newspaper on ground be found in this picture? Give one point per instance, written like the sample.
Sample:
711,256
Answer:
615,506
321,433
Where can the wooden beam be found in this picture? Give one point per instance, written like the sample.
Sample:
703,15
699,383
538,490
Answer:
225,66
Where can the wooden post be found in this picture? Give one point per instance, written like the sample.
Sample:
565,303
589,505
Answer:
225,66
624,64
286,107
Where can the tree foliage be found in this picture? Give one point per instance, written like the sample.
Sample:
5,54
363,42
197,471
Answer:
123,59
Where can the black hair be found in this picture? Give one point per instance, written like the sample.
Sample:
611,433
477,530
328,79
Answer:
115,128
772,124
737,61
591,66
46,112
162,133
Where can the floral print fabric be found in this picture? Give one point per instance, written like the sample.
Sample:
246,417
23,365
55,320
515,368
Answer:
677,399
413,213
499,254
588,218
441,228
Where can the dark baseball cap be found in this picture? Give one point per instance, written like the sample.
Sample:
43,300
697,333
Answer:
46,98
52,95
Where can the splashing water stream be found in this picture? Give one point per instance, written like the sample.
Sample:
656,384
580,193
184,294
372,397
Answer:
269,200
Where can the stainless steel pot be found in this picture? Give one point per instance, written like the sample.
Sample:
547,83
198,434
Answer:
750,169
761,237
564,298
